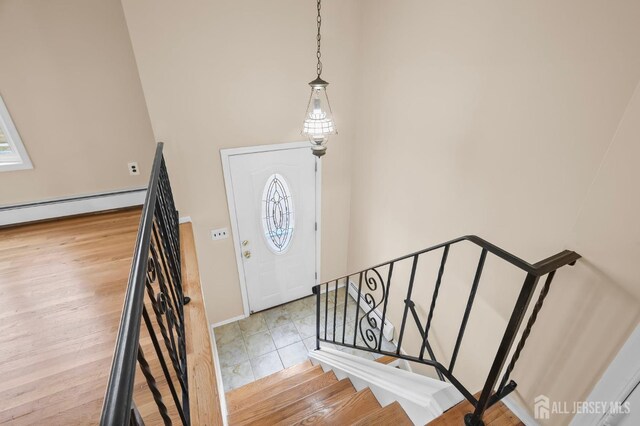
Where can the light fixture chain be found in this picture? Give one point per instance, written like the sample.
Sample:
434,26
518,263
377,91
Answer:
318,54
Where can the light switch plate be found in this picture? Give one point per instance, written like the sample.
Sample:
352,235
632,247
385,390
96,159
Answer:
219,234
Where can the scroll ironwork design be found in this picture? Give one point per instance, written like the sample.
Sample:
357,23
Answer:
373,281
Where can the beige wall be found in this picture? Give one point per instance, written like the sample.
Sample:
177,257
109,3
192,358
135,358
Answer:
69,79
513,121
220,74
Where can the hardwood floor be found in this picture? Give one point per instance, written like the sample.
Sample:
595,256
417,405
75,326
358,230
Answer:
306,395
62,286
498,415
205,400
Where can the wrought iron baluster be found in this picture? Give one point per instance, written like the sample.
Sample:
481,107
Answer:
135,419
355,329
165,336
508,338
170,281
167,243
344,314
171,244
434,299
172,212
527,329
153,387
425,342
384,309
316,290
168,246
173,304
169,204
326,309
335,309
167,232
163,364
467,311
165,284
407,301
170,321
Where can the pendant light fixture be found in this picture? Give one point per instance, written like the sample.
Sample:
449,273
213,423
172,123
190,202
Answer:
318,121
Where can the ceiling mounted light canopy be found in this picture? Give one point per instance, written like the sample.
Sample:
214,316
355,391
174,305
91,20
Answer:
318,120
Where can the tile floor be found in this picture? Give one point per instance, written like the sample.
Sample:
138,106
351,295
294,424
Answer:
272,340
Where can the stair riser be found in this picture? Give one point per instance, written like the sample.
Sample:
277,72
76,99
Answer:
422,398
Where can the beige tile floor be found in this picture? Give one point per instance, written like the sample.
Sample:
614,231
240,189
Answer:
269,341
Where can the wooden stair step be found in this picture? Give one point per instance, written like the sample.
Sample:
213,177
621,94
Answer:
304,407
497,415
392,414
270,385
344,411
386,359
286,397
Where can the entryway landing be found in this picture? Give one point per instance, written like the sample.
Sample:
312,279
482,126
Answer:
269,341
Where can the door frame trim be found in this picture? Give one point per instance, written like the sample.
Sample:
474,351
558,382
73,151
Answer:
225,156
618,381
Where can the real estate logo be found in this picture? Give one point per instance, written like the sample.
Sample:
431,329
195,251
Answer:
541,407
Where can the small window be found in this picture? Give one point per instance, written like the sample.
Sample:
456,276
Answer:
13,156
277,214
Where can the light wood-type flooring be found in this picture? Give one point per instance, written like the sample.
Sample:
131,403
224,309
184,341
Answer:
62,286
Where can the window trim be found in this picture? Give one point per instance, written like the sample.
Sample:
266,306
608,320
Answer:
14,140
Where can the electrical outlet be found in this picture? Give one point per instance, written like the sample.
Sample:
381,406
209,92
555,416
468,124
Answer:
219,234
133,168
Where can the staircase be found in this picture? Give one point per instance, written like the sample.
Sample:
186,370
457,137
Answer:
338,388
305,394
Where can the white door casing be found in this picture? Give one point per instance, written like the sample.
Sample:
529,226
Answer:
619,384
278,267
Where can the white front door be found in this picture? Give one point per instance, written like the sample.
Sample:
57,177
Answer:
274,197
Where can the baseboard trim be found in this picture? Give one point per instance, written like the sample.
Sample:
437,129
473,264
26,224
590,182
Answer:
71,206
185,219
219,383
228,321
519,411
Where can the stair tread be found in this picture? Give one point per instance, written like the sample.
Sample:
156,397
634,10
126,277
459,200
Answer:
497,415
386,359
392,414
302,408
268,386
344,411
273,403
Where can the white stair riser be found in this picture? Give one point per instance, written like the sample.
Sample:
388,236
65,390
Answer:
422,398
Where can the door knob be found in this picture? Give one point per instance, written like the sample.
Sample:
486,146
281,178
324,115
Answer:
245,242
247,254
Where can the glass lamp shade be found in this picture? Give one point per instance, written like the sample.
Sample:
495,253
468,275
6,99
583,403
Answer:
318,122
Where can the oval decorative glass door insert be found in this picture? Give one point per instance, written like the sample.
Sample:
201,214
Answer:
277,213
